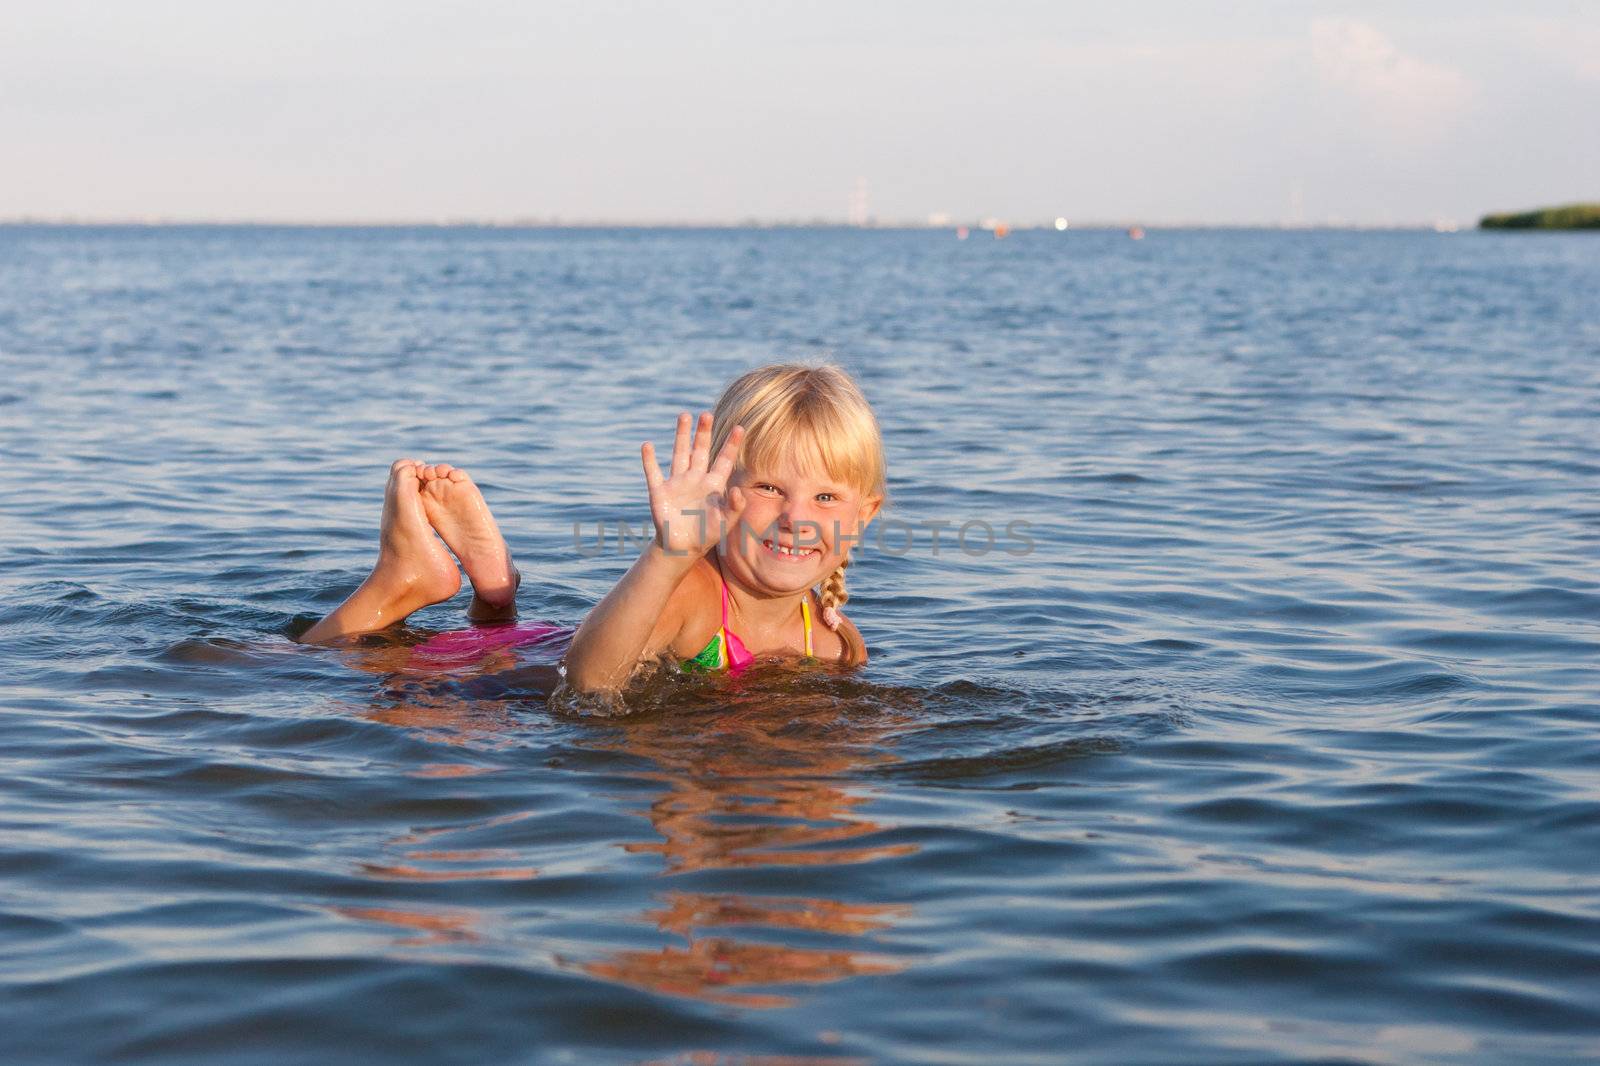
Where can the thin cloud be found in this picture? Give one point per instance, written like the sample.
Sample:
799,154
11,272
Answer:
1402,93
1575,47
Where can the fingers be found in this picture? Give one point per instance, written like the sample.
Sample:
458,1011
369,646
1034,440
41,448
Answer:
652,469
691,450
701,455
680,446
728,456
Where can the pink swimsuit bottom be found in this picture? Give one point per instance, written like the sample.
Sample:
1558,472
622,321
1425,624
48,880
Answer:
463,647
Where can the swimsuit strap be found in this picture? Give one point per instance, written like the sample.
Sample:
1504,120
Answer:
722,632
734,656
805,616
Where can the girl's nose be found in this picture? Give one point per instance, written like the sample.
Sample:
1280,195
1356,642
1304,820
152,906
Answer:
803,524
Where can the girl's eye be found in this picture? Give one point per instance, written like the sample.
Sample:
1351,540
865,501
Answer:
763,487
826,497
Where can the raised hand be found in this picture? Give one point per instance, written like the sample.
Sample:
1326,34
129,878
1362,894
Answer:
693,508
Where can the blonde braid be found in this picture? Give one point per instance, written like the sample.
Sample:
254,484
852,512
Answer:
834,596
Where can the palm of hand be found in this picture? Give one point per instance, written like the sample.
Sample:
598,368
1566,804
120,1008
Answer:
693,507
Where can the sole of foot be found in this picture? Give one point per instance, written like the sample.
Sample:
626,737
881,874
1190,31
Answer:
412,564
459,514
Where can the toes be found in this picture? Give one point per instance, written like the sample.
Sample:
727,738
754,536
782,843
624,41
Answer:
442,474
401,464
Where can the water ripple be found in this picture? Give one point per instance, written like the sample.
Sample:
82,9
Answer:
1273,740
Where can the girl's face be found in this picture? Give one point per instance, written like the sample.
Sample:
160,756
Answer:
798,526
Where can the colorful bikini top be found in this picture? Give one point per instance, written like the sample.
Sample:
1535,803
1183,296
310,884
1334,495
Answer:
727,652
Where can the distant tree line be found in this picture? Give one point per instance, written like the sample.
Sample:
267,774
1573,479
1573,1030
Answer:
1572,216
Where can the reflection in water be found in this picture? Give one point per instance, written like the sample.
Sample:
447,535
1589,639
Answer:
449,769
685,911
757,783
717,1058
709,967
433,928
471,709
712,823
765,772
458,864
407,872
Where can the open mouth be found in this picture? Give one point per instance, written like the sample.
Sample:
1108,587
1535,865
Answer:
792,553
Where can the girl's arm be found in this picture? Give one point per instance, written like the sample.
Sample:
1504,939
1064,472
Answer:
690,513
630,624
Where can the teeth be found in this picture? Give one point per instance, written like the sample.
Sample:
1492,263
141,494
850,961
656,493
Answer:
782,550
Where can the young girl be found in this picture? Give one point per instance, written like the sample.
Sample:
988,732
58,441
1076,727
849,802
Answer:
743,541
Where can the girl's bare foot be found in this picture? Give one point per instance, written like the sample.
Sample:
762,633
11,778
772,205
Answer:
413,569
410,557
457,510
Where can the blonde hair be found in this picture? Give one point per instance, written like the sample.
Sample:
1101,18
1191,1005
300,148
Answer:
789,405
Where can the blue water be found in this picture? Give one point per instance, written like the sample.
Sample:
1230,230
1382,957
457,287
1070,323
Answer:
1272,736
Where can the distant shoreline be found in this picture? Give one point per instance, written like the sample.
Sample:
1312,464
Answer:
1566,217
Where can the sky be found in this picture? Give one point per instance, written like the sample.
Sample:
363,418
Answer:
596,110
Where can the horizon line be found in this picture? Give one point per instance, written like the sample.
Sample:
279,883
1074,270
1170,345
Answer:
987,224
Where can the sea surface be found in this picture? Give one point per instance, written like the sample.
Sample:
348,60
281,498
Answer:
1265,729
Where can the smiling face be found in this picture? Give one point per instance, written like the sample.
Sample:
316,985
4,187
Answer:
799,523
810,470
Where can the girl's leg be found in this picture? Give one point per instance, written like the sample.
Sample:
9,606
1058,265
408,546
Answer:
457,511
413,569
